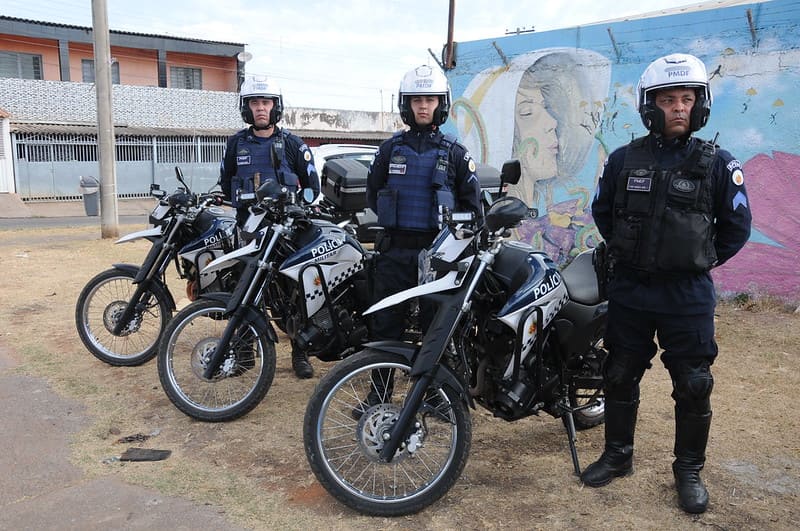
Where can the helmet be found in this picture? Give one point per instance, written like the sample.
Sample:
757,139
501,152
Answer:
675,70
424,81
260,87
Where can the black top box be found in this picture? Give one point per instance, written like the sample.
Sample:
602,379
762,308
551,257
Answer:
344,183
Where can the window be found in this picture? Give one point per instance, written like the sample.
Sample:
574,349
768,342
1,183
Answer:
87,71
183,77
22,65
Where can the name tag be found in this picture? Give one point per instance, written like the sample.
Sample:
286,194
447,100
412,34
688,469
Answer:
639,184
243,160
398,169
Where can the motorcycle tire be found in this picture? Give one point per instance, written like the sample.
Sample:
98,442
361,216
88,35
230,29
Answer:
100,304
592,366
243,378
346,417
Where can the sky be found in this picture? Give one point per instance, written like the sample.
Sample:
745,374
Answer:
336,54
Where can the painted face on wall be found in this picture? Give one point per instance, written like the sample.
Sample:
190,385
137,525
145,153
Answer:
535,139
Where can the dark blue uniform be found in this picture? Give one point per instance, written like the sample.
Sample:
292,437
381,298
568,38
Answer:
680,306
249,158
403,191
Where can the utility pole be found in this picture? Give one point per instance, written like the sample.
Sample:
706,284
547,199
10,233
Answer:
109,219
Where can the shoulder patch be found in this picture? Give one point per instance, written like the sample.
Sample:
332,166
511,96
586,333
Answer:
307,155
737,177
471,165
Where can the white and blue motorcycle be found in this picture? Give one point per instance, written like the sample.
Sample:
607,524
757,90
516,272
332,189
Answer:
387,431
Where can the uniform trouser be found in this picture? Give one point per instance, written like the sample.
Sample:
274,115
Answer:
396,269
689,350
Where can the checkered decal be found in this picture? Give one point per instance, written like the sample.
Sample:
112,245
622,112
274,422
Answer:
336,280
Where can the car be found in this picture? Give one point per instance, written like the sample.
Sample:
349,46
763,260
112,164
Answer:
362,153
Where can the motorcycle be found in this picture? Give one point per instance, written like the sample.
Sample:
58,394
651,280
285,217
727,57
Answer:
387,431
216,360
121,313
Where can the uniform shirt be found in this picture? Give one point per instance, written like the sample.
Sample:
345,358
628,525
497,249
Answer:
298,158
460,170
689,294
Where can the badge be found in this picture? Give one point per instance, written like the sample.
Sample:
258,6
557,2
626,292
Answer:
684,185
737,177
307,155
639,184
471,166
398,159
399,169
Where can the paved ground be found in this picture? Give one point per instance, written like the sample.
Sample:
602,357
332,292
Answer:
39,487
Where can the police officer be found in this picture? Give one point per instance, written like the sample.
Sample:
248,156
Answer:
265,151
670,207
413,174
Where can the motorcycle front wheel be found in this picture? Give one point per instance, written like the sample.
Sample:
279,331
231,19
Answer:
245,374
100,305
352,408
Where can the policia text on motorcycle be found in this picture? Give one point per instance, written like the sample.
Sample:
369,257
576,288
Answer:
670,207
265,151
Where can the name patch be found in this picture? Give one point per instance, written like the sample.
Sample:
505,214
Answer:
639,184
399,169
242,160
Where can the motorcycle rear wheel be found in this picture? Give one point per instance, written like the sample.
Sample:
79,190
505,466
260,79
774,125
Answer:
592,367
343,450
97,311
243,378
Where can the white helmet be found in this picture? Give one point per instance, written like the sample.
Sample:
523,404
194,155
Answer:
424,81
675,70
260,87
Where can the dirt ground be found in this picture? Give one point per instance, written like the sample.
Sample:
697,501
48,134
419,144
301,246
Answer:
519,475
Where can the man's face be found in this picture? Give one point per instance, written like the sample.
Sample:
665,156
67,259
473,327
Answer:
423,108
261,107
676,103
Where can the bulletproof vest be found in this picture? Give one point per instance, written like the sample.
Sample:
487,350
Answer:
416,185
663,218
258,160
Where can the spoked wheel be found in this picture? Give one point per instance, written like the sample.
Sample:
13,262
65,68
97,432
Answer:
243,379
99,308
586,388
352,408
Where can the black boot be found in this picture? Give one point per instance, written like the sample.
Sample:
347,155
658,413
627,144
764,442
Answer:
617,458
691,436
302,368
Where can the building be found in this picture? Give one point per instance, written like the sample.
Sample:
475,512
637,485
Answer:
174,99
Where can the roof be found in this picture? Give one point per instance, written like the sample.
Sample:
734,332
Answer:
123,130
89,28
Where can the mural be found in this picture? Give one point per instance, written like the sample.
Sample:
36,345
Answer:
561,109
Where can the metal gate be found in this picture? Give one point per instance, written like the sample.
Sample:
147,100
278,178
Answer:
48,167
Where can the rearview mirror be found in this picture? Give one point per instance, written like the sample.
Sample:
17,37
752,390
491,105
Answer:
511,171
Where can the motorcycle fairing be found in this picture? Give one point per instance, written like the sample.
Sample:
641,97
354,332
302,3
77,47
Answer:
153,232
223,261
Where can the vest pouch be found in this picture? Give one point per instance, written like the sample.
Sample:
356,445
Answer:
243,184
387,208
692,249
445,199
683,192
640,187
624,245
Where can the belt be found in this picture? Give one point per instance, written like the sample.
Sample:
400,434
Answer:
408,240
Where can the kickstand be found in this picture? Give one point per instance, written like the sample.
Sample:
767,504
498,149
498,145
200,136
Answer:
569,423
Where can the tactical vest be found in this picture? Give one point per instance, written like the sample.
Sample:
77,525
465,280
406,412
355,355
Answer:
416,185
258,160
663,218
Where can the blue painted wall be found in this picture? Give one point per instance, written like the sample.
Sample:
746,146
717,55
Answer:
561,100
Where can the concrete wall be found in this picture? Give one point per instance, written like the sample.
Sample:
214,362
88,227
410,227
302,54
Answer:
562,100
70,102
